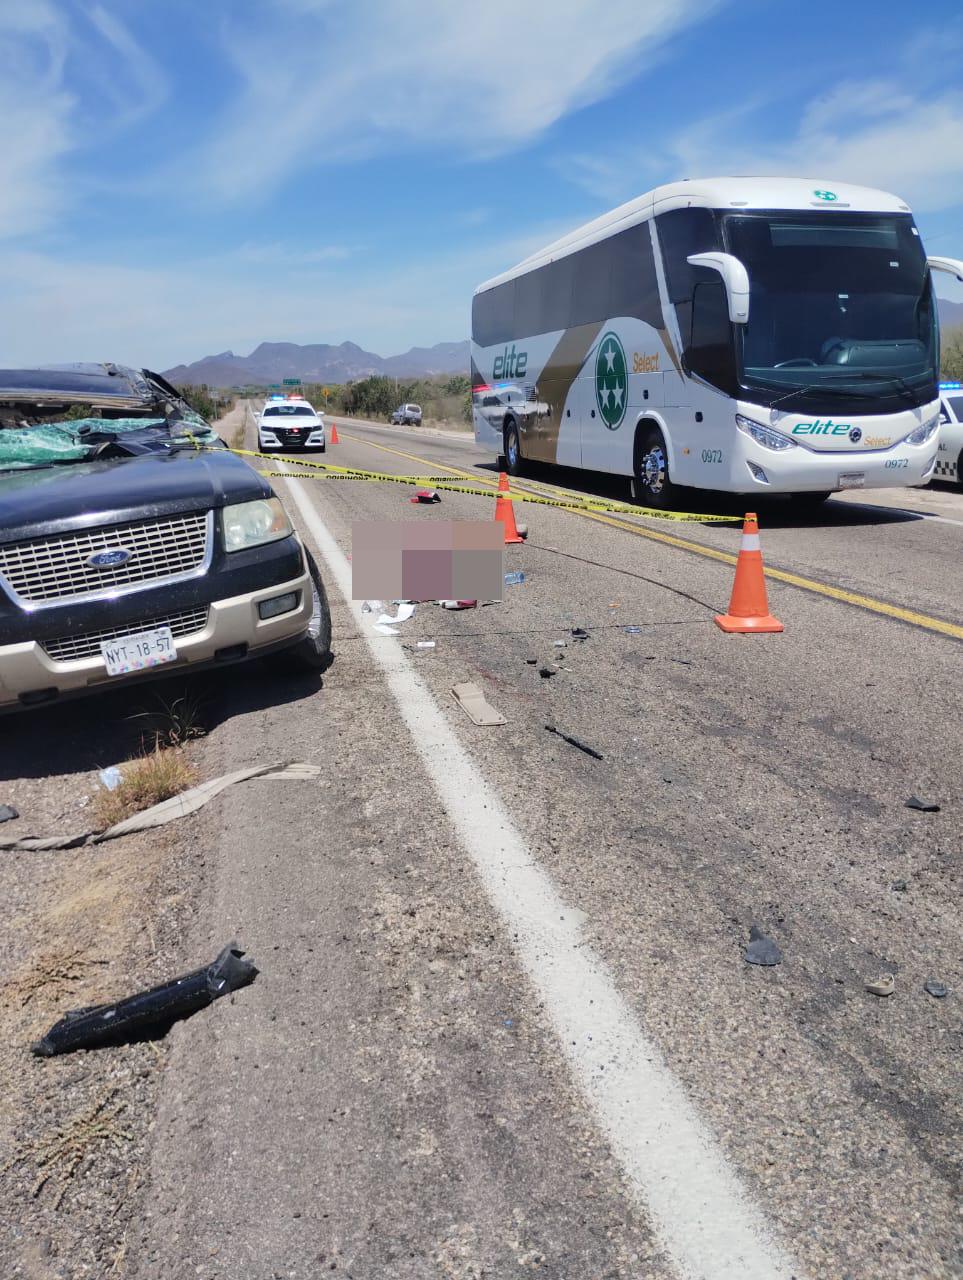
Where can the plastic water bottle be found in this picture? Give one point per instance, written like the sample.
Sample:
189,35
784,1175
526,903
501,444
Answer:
514,578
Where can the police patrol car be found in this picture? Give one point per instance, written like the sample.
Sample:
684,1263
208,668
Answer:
949,457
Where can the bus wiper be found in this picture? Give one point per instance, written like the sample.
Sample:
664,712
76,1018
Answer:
898,379
821,386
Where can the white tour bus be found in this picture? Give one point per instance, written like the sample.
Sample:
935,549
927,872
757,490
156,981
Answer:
750,335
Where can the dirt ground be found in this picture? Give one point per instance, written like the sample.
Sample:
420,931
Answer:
80,926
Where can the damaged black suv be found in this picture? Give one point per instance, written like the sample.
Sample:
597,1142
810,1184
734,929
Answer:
134,543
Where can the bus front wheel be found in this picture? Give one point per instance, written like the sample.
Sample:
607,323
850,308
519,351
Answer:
651,486
513,451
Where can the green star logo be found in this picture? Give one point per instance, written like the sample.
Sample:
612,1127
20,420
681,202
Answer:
611,382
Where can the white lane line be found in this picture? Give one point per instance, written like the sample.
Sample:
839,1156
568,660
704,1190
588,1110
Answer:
705,1219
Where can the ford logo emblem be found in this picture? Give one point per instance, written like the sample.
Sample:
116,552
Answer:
856,435
108,559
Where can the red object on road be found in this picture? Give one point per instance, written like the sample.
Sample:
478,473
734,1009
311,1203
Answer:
426,495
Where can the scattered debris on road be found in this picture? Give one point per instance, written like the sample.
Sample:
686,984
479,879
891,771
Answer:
458,604
425,644
426,495
884,985
924,806
178,806
546,673
899,886
933,987
405,611
515,578
7,812
632,631
111,778
152,1011
578,633
575,742
472,700
760,949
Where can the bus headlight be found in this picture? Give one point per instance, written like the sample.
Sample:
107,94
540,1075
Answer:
923,432
765,436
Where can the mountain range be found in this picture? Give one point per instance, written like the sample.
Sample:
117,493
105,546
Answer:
318,362
321,362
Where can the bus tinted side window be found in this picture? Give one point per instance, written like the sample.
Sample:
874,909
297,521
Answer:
709,352
493,315
681,232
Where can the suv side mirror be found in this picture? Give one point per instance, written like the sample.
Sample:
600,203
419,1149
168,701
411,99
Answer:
735,277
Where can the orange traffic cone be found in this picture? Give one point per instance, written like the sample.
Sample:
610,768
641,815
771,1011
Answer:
333,437
504,511
749,608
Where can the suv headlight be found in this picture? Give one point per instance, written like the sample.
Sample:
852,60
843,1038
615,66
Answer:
765,436
251,524
923,432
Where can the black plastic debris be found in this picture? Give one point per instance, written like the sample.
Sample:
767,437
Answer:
7,811
575,742
546,673
899,886
924,806
933,987
578,633
531,661
762,950
148,1012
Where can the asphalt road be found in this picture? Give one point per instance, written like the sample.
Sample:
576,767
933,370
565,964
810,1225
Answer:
504,1022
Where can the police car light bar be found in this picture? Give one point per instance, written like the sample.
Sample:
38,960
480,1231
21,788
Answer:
951,386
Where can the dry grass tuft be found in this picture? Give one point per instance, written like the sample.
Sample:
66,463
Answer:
58,1155
156,776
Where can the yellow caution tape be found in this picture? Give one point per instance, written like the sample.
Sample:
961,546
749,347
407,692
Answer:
334,471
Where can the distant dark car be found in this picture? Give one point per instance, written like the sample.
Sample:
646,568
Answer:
133,543
407,414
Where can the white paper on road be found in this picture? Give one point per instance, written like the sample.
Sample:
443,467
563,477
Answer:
406,610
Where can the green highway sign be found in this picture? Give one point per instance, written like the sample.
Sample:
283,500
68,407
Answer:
274,386
292,382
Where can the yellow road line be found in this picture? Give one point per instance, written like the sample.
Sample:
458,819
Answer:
854,598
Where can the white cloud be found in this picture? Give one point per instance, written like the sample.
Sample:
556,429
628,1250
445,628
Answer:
166,313
63,85
327,80
873,133
135,82
34,114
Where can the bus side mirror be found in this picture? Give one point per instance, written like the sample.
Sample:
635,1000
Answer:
735,277
951,265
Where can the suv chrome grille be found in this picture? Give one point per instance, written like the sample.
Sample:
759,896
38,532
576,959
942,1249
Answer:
48,570
87,644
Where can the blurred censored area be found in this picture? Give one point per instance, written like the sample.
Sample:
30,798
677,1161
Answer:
427,560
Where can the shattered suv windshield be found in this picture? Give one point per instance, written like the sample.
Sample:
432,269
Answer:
46,444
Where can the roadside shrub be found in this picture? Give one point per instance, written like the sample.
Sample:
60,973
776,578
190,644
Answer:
155,776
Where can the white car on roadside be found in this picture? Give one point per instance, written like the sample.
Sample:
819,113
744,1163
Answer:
291,423
949,455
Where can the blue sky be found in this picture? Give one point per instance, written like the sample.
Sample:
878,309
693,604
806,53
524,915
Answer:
185,177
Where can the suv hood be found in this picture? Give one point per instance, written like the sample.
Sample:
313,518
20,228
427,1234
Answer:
115,491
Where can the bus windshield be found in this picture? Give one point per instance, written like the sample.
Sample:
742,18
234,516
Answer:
840,309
